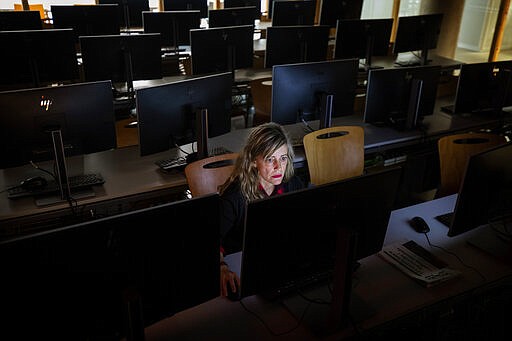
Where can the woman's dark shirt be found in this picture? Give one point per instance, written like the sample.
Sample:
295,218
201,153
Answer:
232,210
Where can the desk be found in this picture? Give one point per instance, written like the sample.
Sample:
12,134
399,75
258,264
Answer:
391,295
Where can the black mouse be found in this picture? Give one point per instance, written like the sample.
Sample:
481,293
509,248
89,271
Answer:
232,295
34,183
419,225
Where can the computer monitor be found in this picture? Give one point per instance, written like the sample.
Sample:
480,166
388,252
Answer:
20,20
296,44
180,5
86,20
293,12
221,49
483,88
108,278
363,39
277,257
245,3
299,90
34,58
129,11
173,26
167,113
401,97
232,16
333,10
84,112
417,34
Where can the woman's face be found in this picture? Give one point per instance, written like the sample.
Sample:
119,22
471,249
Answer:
271,169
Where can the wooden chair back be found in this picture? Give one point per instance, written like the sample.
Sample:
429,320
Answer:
32,7
261,92
206,175
334,153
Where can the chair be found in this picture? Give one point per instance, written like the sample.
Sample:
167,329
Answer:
334,153
206,175
32,7
261,92
454,151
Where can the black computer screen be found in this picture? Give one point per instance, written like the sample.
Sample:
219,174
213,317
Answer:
363,39
84,112
401,97
298,89
34,58
296,44
131,9
232,16
293,12
173,26
180,5
245,3
167,113
333,10
79,282
86,20
20,20
221,49
417,33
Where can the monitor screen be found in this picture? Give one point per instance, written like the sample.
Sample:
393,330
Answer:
107,279
401,97
293,12
245,3
84,112
180,5
296,44
363,39
131,9
167,113
173,26
298,89
86,20
232,16
20,20
221,49
417,33
37,58
333,10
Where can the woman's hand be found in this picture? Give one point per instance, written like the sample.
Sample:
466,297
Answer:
228,279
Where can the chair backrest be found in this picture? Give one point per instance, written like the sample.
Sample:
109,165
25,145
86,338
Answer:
454,151
261,92
32,7
206,175
334,153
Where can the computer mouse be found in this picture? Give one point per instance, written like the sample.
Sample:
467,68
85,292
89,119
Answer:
33,183
419,225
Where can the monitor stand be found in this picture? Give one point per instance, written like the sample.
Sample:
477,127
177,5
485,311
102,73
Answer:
495,241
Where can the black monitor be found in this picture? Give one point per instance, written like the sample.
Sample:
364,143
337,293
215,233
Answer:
232,16
180,5
293,12
245,3
483,88
417,34
363,39
278,258
84,112
122,58
296,44
167,114
401,97
299,91
221,49
20,20
37,58
86,20
333,10
129,11
173,26
107,279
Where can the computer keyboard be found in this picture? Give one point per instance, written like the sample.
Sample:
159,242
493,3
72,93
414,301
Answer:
292,287
445,218
76,182
181,162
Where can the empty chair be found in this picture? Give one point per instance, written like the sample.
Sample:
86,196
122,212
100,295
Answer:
204,176
334,153
32,7
261,93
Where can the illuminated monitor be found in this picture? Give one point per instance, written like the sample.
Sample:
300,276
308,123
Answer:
401,97
129,9
84,112
293,12
296,44
173,26
20,20
180,5
108,278
245,3
232,16
333,10
417,34
299,90
37,58
167,113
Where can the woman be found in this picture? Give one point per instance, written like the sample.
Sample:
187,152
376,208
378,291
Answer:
264,168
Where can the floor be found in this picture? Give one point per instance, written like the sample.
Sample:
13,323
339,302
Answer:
467,56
